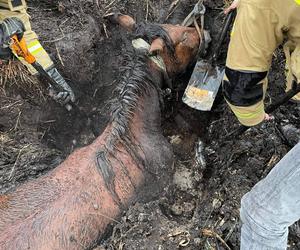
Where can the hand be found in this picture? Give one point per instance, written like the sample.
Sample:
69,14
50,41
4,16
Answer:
62,97
10,27
233,6
62,93
269,117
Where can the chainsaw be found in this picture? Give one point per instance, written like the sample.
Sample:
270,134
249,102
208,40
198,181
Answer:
20,49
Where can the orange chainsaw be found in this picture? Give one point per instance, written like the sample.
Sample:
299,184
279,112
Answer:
20,49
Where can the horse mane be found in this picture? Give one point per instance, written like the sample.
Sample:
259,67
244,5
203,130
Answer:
136,81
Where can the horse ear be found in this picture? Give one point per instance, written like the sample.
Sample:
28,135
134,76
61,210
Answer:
127,22
157,46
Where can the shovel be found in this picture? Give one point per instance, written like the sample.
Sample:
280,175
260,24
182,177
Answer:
206,79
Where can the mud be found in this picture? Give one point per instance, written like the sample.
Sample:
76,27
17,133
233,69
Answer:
37,134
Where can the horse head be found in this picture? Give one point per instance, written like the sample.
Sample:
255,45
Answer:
177,45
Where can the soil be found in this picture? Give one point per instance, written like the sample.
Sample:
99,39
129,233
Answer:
201,204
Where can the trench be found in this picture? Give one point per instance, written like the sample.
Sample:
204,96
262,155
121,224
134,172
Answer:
36,136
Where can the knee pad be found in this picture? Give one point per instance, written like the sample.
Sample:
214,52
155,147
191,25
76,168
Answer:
243,88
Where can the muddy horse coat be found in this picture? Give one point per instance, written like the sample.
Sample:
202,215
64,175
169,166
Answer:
71,207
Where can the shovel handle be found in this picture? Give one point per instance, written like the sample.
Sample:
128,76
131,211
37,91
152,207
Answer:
292,92
222,35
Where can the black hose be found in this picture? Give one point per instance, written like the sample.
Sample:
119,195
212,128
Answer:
227,23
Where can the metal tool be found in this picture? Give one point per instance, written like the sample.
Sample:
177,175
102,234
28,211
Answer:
206,79
198,11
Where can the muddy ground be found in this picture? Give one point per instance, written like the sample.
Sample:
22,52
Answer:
199,209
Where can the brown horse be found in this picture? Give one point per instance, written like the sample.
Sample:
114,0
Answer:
71,207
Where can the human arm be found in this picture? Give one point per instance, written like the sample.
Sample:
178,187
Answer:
12,26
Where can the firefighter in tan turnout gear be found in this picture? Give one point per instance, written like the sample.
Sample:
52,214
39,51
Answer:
260,27
14,20
273,204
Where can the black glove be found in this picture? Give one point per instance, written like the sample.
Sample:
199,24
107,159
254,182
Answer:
62,92
8,28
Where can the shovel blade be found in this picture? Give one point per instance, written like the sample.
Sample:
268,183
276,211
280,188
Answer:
203,86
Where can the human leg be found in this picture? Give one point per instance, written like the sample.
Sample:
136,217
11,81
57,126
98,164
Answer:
256,34
272,206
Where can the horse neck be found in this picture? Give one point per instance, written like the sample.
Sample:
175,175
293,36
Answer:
147,118
134,137
137,108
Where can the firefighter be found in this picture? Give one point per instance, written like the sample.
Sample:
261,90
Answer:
260,27
15,20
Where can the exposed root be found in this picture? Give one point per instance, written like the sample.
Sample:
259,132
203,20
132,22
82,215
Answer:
14,74
210,233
